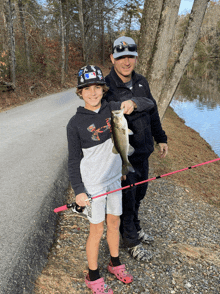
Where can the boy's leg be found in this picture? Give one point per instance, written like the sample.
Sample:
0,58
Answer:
92,245
118,269
113,223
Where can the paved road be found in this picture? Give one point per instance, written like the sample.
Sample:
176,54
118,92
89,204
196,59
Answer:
33,181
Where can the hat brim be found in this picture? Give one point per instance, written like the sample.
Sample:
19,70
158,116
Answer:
124,53
91,82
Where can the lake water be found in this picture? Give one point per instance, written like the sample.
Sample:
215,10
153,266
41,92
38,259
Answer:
202,118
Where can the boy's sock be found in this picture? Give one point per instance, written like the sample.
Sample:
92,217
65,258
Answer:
115,261
94,274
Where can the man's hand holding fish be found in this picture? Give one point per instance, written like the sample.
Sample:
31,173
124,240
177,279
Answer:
128,106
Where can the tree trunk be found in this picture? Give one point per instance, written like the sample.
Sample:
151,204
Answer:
67,36
2,25
27,51
11,41
162,47
62,45
185,54
81,20
102,33
156,35
148,32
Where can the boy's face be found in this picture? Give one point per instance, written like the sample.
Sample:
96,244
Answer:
92,95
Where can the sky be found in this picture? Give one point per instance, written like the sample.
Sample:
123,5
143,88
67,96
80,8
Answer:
185,6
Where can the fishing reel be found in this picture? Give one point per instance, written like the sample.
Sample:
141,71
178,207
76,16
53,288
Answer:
80,209
75,207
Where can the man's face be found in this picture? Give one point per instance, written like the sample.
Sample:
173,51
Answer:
124,66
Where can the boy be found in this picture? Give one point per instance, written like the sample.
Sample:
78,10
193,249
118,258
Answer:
95,169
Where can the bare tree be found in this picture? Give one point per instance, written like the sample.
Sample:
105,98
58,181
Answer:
62,44
82,30
2,25
157,31
11,40
67,35
27,51
102,31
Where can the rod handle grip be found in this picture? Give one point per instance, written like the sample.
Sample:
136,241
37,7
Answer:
61,208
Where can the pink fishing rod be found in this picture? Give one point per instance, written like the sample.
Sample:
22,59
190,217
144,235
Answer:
65,207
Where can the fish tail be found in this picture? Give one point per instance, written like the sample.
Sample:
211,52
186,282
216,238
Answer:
127,168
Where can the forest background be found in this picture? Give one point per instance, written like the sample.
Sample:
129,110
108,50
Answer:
44,43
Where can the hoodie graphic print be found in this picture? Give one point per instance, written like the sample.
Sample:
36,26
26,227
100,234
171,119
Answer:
91,164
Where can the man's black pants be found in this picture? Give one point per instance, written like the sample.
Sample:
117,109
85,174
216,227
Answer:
131,200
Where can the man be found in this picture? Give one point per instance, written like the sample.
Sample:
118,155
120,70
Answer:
124,84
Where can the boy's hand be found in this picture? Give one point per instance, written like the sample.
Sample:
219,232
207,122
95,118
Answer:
82,200
128,106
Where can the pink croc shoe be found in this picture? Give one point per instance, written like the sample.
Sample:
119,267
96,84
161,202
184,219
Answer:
120,273
98,286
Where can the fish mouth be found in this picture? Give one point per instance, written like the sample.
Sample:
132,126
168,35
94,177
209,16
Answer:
117,112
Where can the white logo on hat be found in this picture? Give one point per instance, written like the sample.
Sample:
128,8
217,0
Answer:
90,75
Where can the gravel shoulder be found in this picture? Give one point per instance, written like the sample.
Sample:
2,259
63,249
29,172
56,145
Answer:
181,212
186,249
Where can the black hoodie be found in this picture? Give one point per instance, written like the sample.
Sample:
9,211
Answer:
92,164
145,125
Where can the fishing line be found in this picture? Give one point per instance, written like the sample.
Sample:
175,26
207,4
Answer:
79,209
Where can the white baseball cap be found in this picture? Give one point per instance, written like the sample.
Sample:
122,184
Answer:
124,46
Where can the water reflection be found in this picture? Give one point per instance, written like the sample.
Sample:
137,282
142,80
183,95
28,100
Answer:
201,113
207,93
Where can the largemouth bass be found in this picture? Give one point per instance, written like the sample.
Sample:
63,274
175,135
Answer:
120,133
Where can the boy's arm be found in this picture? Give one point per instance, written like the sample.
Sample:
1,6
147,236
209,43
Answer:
74,159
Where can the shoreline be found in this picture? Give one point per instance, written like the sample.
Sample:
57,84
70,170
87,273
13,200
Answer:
187,148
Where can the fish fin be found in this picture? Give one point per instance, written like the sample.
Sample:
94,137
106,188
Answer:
130,132
130,150
130,168
114,150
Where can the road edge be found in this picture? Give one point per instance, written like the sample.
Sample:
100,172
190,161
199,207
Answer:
32,255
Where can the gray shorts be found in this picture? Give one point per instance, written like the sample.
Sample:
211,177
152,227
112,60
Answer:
108,204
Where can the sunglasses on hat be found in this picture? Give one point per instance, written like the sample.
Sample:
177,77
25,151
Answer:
120,48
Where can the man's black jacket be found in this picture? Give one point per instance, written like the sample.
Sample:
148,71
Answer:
145,125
